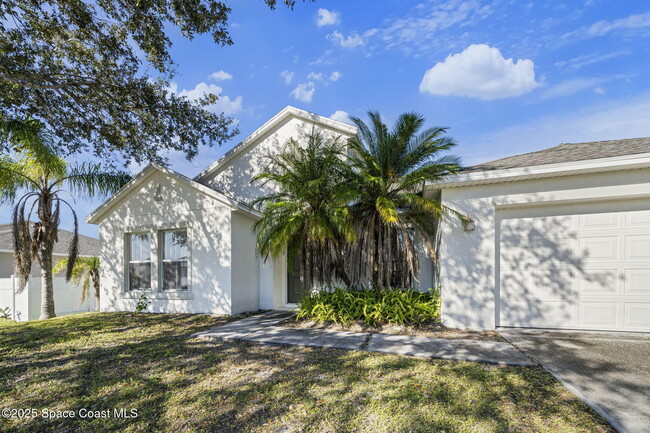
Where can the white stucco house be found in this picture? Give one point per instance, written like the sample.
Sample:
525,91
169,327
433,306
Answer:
26,305
560,238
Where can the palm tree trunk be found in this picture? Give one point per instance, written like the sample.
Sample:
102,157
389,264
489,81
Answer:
95,279
47,286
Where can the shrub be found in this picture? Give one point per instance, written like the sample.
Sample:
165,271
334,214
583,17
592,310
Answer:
373,307
142,304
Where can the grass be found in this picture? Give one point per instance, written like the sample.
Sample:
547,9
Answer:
102,361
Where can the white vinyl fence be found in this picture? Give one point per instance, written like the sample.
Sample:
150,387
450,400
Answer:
27,304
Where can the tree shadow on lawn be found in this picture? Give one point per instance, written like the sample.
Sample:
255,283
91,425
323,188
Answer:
182,385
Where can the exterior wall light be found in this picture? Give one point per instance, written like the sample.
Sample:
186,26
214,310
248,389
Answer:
469,225
157,194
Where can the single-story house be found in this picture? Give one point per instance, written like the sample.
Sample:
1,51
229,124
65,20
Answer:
27,304
559,238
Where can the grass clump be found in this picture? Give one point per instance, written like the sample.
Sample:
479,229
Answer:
373,306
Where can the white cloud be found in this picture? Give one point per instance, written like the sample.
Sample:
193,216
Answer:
304,92
315,76
608,121
423,27
341,116
327,18
601,28
480,71
570,87
220,76
599,90
589,59
223,105
336,75
352,41
287,76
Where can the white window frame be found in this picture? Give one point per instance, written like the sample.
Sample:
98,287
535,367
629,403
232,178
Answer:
128,249
161,260
156,291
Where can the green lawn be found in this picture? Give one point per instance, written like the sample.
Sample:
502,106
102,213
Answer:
104,361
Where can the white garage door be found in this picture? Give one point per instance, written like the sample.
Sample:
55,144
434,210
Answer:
577,267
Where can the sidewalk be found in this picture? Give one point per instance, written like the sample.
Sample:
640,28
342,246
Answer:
261,329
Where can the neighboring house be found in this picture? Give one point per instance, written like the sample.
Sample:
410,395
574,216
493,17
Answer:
560,238
27,305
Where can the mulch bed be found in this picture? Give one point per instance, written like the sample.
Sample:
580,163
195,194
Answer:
432,329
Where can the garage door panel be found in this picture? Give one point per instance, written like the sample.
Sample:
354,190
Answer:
553,285
598,248
637,281
598,315
537,314
637,247
515,283
555,224
638,219
553,254
637,316
561,269
601,281
599,221
516,229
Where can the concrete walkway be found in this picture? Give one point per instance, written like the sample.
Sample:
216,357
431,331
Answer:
261,329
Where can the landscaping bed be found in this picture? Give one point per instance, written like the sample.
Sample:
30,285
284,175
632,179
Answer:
433,329
148,363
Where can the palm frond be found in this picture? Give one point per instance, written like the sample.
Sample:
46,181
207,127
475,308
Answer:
85,270
22,241
13,178
88,180
307,217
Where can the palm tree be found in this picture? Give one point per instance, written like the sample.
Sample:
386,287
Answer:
307,218
85,272
39,174
391,170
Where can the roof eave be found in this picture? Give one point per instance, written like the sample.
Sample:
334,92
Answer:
600,165
95,217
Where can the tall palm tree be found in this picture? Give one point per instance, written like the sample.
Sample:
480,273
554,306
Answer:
391,170
34,179
307,218
84,273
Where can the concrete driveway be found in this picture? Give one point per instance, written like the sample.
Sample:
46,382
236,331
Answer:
610,371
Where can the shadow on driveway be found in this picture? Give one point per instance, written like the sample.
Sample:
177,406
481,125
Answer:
610,371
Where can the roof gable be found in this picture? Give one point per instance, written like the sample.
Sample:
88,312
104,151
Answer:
97,215
283,115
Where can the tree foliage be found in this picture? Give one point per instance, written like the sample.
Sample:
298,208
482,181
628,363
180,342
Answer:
85,273
97,73
357,213
391,169
35,180
307,218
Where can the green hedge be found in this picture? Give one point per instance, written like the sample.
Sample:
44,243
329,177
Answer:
373,307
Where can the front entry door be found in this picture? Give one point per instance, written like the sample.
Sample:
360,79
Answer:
295,288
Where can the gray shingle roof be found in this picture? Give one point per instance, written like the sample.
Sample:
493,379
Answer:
87,246
569,152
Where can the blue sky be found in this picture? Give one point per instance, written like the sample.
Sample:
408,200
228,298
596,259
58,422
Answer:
506,77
